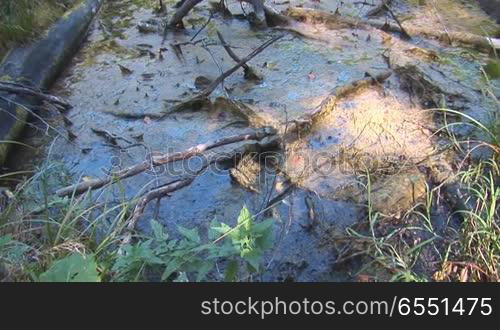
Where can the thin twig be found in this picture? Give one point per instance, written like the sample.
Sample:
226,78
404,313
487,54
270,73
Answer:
207,91
203,27
403,31
230,51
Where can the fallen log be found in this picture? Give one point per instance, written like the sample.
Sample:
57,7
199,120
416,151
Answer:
335,21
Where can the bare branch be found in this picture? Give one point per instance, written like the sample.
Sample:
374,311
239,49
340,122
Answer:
207,91
249,72
21,89
161,159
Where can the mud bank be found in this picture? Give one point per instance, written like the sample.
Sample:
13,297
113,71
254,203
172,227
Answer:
38,66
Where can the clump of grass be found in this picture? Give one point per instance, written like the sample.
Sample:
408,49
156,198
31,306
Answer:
389,248
24,20
480,232
39,228
467,246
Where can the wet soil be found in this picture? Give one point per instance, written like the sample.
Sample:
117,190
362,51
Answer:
123,80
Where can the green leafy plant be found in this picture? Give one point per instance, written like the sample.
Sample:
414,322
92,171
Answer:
248,240
188,257
12,252
72,268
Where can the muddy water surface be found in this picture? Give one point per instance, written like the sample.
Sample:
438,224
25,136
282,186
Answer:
119,83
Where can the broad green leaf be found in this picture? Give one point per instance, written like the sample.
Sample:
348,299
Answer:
212,233
190,234
158,231
73,268
203,270
253,259
202,248
231,271
221,251
263,226
265,241
265,234
171,268
245,218
222,228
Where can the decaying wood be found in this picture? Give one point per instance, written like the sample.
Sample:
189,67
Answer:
251,116
275,19
335,21
25,90
158,193
262,12
161,159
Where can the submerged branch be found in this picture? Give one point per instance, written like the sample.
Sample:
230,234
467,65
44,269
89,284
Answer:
161,159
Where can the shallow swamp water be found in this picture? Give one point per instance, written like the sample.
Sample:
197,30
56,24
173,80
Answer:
126,79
